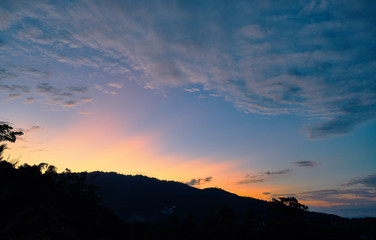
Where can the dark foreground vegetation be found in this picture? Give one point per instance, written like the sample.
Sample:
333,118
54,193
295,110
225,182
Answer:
36,202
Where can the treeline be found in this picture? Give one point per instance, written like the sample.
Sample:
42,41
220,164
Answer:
38,203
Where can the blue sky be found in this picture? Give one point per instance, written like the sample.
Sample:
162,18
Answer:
261,98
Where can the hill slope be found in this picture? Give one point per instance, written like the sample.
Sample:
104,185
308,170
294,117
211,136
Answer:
38,203
149,199
214,213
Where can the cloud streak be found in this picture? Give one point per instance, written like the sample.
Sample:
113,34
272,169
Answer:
366,181
199,181
305,163
263,176
325,72
355,198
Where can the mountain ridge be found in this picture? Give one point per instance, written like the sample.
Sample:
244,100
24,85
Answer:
117,190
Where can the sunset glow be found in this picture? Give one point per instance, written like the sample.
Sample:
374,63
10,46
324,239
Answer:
260,98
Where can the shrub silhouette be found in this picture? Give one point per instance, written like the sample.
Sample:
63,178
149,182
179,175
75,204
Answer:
7,134
290,202
36,202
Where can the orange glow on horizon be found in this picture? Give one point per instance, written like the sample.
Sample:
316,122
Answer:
93,144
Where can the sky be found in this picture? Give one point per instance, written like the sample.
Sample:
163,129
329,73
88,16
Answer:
260,98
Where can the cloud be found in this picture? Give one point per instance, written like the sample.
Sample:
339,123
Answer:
86,99
340,196
115,85
13,96
12,88
78,89
199,181
263,176
325,72
29,100
367,181
66,97
5,17
192,90
281,172
249,181
85,113
102,89
349,199
305,163
70,103
252,31
31,129
46,88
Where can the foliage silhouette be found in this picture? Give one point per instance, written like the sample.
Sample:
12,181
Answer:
47,204
7,134
290,202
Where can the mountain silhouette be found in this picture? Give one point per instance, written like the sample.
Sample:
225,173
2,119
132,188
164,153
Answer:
140,199
36,202
143,198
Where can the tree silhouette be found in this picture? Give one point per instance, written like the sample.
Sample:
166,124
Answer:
290,202
7,133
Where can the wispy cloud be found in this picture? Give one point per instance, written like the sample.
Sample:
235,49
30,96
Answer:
13,96
70,103
324,72
366,181
46,88
85,113
281,172
249,181
102,89
78,89
29,100
305,163
116,85
66,97
199,181
31,129
263,176
352,198
192,90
